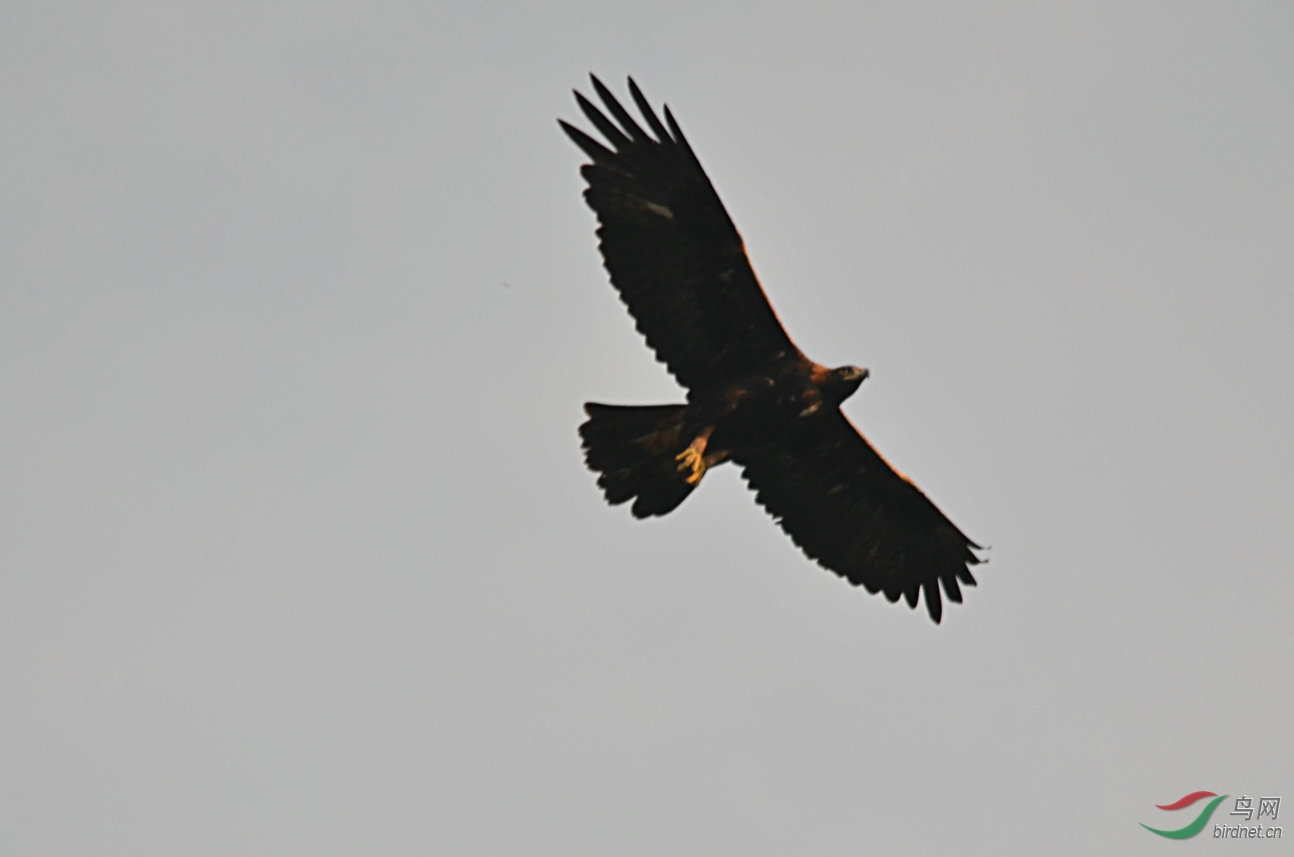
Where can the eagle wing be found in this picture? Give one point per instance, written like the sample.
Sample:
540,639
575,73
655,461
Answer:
848,509
671,249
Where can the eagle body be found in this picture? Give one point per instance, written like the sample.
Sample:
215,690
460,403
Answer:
753,398
763,410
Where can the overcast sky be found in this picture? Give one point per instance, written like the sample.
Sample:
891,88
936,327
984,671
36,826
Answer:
299,303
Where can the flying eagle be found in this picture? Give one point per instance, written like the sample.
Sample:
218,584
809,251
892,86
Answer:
678,263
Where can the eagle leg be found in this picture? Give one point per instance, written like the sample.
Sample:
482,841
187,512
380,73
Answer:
692,460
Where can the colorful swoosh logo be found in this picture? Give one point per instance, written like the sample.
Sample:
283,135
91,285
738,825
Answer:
1186,801
1195,826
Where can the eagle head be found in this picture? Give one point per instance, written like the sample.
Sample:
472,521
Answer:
843,382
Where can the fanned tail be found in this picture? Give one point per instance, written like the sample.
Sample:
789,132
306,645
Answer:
632,448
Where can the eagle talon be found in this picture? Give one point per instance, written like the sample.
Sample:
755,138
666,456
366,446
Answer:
691,463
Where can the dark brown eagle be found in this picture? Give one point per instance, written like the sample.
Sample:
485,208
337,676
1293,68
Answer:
677,261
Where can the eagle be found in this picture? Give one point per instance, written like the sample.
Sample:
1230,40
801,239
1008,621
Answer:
753,397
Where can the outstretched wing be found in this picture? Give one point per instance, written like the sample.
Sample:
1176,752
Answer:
671,249
849,510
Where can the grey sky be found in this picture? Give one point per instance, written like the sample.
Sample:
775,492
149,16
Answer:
298,306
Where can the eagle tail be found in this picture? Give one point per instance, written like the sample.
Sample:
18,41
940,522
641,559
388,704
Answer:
634,450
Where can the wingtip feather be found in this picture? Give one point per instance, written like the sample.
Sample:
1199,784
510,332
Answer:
587,144
645,108
934,603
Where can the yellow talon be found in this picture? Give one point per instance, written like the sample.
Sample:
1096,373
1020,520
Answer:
692,463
